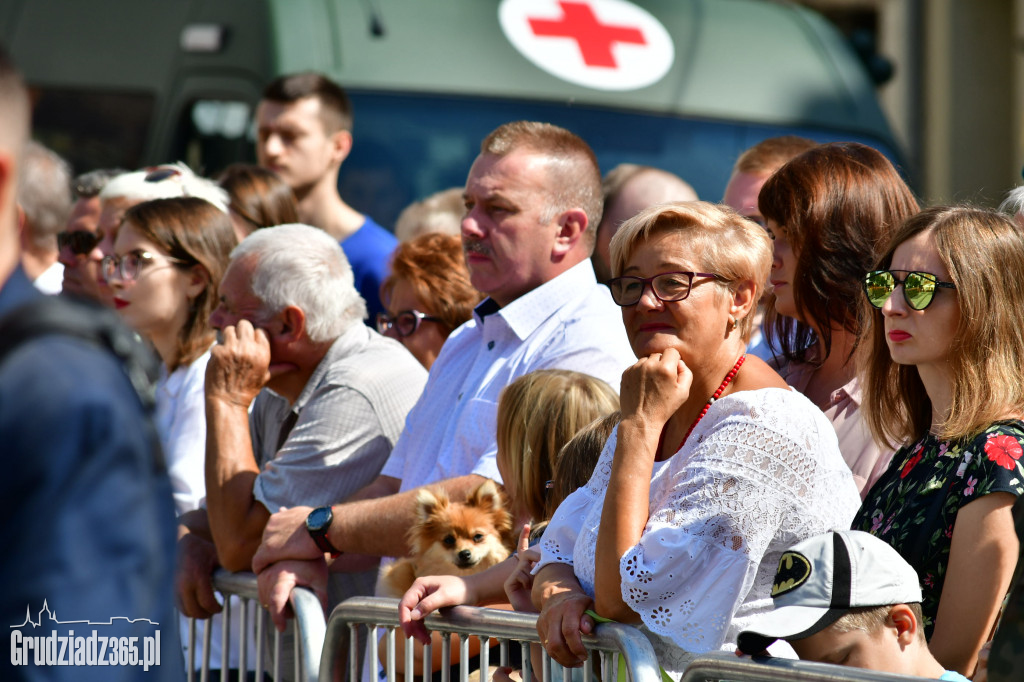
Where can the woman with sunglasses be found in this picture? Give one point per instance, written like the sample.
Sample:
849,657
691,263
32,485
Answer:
943,378
716,467
829,211
169,257
427,295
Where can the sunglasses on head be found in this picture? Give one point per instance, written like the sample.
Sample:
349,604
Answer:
80,242
918,287
161,173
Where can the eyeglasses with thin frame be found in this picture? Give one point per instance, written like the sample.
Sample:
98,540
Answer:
130,265
918,287
80,242
404,322
668,287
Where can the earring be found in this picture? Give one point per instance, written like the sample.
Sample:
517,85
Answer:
735,323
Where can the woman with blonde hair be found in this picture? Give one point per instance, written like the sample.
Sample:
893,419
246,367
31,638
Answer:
716,467
943,379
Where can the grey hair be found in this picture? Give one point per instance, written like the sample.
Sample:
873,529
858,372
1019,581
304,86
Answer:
44,193
89,185
1014,201
134,187
302,266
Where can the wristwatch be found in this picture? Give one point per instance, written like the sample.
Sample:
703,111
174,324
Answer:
318,523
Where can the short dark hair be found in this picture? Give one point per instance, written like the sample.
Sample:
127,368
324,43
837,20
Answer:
335,106
573,174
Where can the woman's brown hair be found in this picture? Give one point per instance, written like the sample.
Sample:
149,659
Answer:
984,253
838,204
259,196
198,234
434,267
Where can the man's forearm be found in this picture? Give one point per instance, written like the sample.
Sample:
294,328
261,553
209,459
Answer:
236,519
379,526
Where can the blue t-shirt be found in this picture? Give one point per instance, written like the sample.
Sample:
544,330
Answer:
88,532
953,676
369,250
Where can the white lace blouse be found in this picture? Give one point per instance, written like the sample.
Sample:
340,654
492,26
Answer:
760,472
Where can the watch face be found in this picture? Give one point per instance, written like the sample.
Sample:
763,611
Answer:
319,519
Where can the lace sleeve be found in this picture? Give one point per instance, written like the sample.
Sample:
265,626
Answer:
748,482
575,512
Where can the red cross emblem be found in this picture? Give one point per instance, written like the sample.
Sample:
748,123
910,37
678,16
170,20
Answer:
600,44
594,38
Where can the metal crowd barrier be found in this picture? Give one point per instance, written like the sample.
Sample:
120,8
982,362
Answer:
308,641
721,665
610,641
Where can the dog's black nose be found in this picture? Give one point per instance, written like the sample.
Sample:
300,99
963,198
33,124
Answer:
465,557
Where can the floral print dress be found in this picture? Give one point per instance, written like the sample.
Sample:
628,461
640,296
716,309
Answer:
914,504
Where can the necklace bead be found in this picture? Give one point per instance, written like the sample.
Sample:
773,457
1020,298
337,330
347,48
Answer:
717,394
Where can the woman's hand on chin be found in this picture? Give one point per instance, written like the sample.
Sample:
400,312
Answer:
654,388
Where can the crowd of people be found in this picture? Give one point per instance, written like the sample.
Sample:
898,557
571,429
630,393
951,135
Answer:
789,421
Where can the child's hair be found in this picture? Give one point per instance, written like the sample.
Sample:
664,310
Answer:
577,458
870,618
538,413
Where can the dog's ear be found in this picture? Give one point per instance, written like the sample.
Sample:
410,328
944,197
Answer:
486,496
430,502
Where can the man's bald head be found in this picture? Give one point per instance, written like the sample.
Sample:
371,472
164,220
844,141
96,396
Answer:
628,189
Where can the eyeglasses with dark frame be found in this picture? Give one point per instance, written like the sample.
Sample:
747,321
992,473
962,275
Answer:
80,242
667,287
129,265
918,287
404,322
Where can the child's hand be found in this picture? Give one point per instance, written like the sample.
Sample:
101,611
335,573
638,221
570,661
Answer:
428,594
519,585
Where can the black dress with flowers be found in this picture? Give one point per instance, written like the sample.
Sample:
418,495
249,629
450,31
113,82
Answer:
914,504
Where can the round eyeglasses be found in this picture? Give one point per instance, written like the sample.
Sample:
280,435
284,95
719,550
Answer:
667,286
405,322
918,287
128,266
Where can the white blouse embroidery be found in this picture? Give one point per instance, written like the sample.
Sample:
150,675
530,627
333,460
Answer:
761,472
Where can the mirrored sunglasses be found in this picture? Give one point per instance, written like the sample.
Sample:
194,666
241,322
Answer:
918,287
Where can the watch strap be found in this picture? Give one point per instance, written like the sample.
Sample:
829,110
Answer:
319,536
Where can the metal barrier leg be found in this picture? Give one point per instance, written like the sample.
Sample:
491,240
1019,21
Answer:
243,645
190,674
204,671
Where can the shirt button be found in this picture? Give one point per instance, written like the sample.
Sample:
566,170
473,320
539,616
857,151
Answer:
490,345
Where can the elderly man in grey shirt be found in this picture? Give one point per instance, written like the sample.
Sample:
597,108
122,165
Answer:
331,397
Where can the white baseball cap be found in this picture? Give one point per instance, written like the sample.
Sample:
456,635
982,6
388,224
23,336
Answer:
821,579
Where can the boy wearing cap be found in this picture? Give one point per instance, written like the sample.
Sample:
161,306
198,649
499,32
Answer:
848,598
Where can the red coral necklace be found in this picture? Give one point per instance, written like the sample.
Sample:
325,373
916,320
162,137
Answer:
717,394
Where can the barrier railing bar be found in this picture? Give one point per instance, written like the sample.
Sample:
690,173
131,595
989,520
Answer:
628,641
261,623
722,665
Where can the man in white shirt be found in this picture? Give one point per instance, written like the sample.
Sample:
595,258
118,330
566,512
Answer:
533,200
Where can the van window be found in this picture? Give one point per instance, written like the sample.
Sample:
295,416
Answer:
93,129
407,147
212,134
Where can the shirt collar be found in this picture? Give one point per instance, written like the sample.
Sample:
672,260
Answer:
530,310
349,342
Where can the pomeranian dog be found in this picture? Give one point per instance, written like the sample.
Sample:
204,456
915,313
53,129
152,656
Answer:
452,538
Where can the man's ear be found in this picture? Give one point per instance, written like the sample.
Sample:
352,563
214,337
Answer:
743,300
902,619
341,145
293,324
571,226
